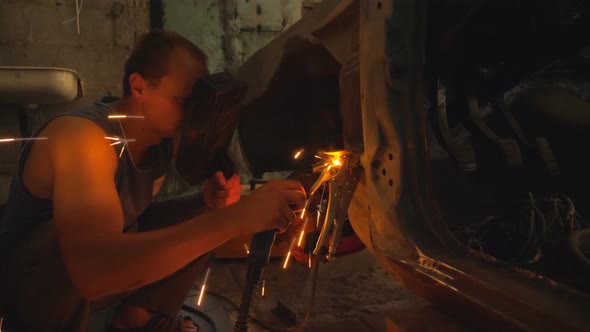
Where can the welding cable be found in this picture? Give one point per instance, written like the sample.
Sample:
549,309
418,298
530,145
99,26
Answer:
76,18
200,314
316,269
549,220
78,9
531,240
237,307
260,323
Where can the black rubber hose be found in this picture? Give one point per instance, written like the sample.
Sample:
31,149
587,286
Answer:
252,281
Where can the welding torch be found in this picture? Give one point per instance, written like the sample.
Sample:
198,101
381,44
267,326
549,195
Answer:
258,258
341,175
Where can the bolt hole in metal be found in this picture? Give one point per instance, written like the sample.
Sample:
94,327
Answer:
391,156
379,5
383,171
390,182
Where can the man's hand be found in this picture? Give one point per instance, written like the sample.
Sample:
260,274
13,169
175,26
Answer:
297,226
220,192
271,206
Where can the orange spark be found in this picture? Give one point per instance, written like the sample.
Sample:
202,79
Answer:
302,232
298,153
17,139
203,286
123,116
289,254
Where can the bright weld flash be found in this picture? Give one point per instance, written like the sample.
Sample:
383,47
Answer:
334,158
263,284
289,253
298,154
247,250
3,140
123,116
203,286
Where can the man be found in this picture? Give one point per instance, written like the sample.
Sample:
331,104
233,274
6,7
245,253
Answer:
79,228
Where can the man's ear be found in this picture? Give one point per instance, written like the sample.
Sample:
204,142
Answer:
137,84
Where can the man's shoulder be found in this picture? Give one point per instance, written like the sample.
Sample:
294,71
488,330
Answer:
73,137
67,145
86,119
72,126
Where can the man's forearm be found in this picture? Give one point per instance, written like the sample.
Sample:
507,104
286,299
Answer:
172,211
107,264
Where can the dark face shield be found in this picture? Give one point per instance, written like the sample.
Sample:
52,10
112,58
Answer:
211,118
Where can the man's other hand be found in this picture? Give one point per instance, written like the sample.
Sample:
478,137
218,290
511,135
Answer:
220,192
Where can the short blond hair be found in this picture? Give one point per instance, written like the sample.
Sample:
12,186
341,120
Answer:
149,57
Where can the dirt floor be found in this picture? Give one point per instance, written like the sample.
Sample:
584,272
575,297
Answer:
353,294
352,288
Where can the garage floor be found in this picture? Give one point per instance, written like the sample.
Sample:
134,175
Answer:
353,294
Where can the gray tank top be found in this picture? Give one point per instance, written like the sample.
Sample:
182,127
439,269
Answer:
24,211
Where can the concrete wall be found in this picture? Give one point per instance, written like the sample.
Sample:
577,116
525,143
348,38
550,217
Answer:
33,33
230,31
